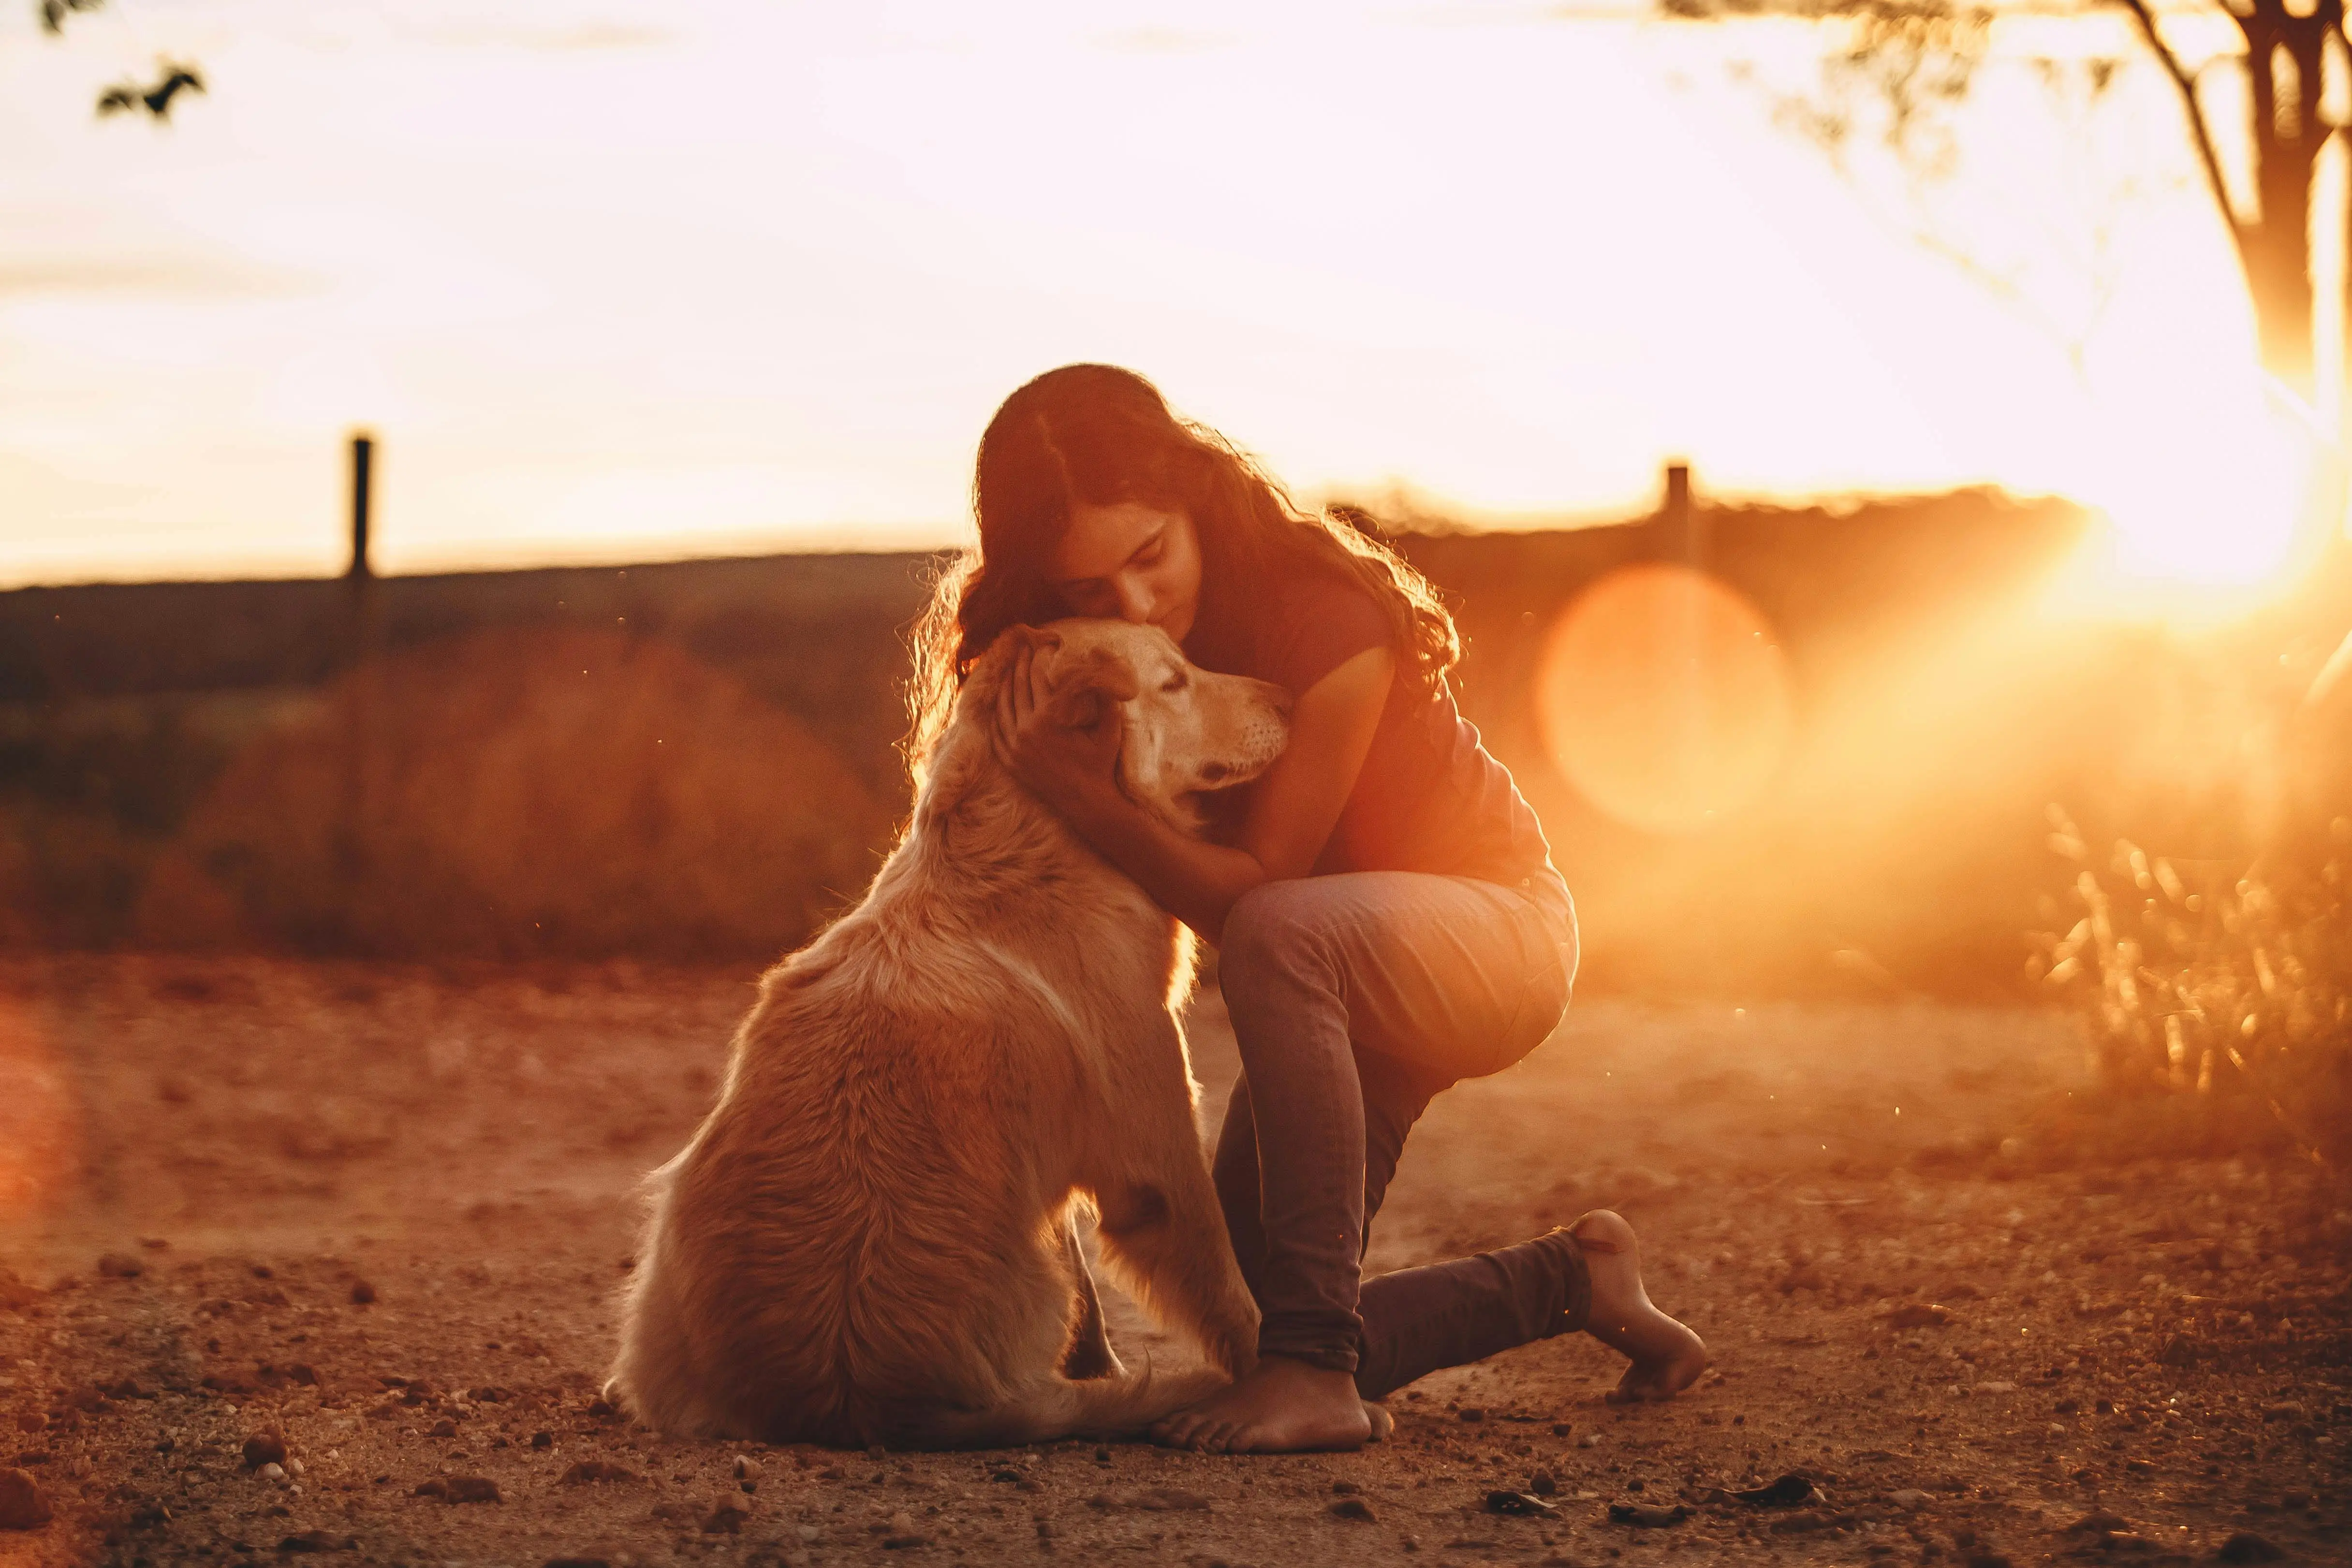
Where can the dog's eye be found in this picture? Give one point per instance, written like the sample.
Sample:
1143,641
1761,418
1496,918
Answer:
1176,683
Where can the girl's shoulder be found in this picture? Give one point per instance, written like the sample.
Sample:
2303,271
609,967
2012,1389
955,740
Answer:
1315,620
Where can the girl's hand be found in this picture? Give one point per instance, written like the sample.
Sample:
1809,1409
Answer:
1065,750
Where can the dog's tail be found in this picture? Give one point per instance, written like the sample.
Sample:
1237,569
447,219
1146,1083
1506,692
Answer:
1098,1408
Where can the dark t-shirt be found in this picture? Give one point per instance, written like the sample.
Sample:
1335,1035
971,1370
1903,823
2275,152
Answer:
1428,798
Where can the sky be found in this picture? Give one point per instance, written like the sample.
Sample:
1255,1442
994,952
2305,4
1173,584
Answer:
615,282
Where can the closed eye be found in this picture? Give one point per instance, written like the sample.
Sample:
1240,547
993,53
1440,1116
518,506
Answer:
1176,683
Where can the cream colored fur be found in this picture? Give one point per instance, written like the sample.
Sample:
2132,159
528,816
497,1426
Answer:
866,1240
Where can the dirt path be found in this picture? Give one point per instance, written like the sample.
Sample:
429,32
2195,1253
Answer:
380,1214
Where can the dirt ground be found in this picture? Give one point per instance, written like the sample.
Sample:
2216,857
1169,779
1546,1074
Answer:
378,1214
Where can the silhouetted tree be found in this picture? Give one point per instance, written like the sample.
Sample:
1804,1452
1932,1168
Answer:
1919,58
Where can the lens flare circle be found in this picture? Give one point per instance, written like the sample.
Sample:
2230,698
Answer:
1663,697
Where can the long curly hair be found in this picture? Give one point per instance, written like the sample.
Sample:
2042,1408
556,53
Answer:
1099,435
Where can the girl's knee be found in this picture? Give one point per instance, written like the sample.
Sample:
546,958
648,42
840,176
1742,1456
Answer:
1272,924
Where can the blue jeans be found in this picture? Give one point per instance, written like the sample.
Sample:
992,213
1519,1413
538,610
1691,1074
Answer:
1355,998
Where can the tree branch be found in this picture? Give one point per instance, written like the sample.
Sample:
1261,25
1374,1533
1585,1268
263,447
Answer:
2187,83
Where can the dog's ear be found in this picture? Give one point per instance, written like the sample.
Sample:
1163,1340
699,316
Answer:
1081,685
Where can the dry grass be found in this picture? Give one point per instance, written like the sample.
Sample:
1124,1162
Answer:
2227,985
520,792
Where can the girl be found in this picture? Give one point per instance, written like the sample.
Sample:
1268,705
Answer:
1385,908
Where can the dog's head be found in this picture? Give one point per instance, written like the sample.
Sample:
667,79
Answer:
1187,729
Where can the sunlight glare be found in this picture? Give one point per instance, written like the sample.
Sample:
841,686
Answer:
2207,499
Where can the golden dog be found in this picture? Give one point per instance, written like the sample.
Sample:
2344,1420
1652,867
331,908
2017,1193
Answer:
869,1238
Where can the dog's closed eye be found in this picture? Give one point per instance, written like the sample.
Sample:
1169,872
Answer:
1176,683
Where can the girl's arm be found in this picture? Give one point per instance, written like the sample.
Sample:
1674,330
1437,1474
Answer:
1297,803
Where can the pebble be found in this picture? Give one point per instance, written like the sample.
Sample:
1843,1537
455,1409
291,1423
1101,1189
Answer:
747,1468
272,1471
587,1470
2244,1546
1920,1316
1649,1516
363,1293
1354,1508
727,1518
1590,1440
1543,1483
1909,1497
22,1506
317,1541
264,1448
474,1489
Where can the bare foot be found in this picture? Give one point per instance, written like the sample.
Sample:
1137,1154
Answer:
1281,1406
1667,1357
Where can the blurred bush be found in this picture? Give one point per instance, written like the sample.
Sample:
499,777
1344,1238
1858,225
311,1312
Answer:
519,791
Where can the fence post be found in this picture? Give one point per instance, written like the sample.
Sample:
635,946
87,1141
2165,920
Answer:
360,760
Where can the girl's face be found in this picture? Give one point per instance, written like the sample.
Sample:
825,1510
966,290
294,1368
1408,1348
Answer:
1132,562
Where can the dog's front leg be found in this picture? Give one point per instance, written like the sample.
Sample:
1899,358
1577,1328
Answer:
1166,1235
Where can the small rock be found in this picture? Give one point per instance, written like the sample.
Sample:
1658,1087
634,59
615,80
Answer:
1783,1491
317,1541
1919,1316
1354,1508
2138,1468
1470,1413
22,1506
264,1448
747,1468
1345,1489
1503,1500
272,1471
1590,1440
1910,1497
1997,1387
1170,1499
727,1518
120,1266
444,1427
2098,1523
2244,1546
588,1471
439,1489
363,1293
542,1439
901,1533
1645,1516
1543,1483
475,1489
